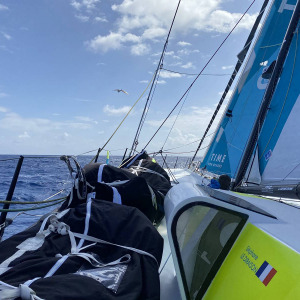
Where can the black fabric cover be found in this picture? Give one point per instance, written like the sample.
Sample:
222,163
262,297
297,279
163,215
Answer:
115,223
135,192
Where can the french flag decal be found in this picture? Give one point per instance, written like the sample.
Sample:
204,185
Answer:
265,273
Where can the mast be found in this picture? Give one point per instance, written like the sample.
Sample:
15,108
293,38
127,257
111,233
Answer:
241,56
268,96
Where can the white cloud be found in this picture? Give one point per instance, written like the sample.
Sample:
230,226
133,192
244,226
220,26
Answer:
25,135
187,51
189,127
183,44
3,109
144,81
149,23
199,15
76,4
188,65
166,74
153,33
82,18
100,19
140,49
169,53
14,122
88,5
227,67
223,21
3,95
113,41
161,82
229,94
86,119
3,7
6,36
112,111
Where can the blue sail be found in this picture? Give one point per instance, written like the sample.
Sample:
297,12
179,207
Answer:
279,140
227,147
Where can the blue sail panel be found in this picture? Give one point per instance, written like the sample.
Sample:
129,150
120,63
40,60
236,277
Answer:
278,145
238,121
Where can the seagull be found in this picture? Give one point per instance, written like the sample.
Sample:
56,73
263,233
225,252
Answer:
120,90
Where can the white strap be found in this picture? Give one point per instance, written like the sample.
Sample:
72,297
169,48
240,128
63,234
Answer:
116,196
93,239
135,158
153,197
100,171
145,170
87,217
116,183
33,243
56,266
9,292
75,248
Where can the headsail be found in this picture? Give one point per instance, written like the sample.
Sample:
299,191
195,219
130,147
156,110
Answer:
227,147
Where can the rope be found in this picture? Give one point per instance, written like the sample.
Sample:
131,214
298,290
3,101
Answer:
32,202
30,208
200,73
125,117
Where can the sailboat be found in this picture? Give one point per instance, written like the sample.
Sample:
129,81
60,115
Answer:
238,244
216,241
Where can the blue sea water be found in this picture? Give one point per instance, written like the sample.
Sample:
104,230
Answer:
40,178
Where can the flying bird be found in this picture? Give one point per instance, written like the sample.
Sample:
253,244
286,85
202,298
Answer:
120,90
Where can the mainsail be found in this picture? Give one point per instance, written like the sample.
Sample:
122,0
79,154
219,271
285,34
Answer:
279,141
227,147
275,135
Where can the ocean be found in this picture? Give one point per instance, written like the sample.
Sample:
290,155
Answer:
43,176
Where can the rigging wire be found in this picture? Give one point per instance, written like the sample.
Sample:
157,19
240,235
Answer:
175,120
195,74
144,116
191,143
100,149
170,172
275,45
200,73
160,64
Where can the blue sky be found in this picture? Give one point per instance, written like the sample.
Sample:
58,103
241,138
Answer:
61,60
